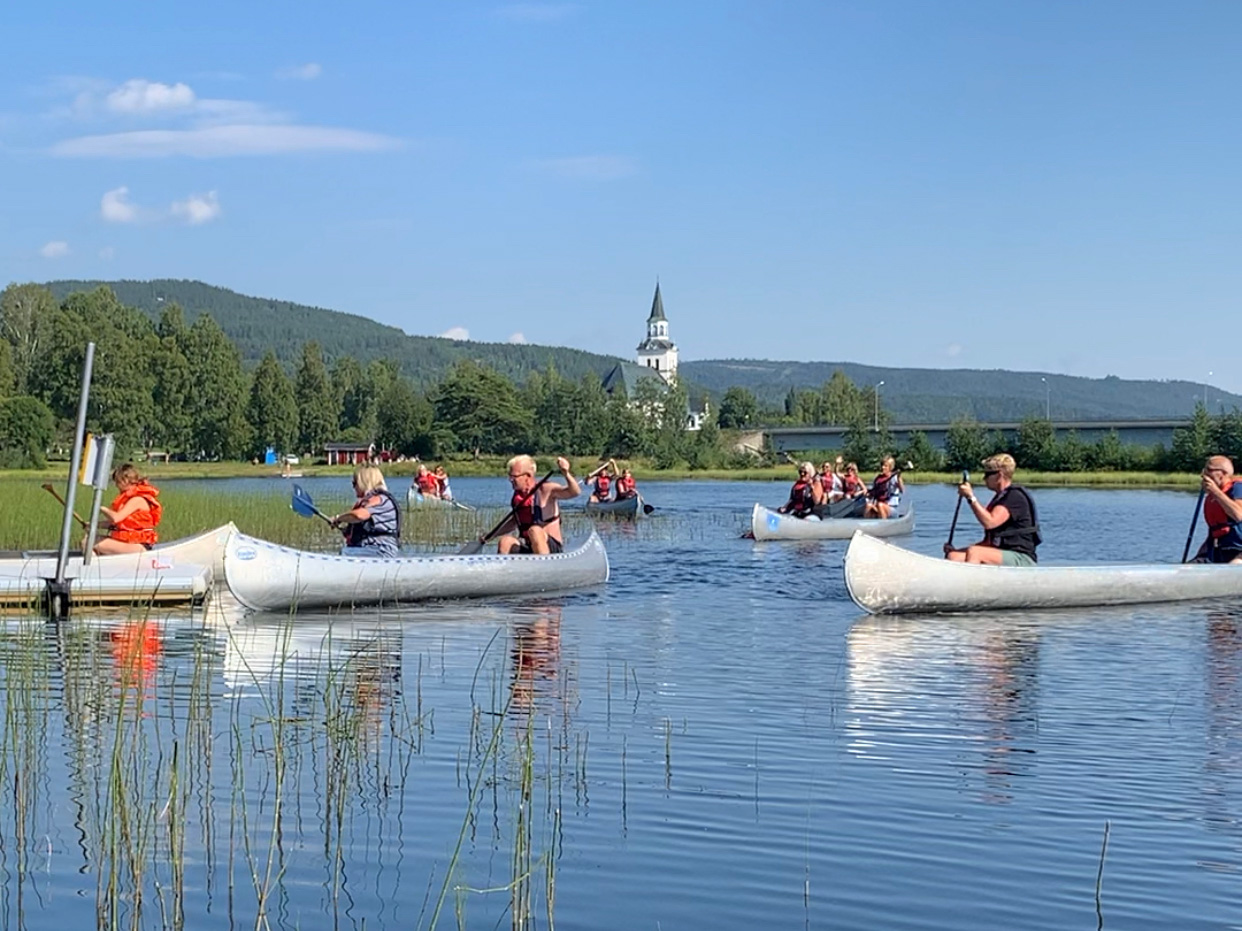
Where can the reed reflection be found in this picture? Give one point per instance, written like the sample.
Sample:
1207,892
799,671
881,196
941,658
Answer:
1222,716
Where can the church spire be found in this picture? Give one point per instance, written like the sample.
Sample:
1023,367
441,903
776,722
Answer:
657,307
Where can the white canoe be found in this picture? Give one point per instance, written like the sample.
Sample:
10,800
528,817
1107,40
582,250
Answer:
202,549
626,507
766,524
267,577
886,579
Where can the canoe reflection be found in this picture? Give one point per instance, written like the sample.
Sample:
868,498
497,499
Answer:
966,683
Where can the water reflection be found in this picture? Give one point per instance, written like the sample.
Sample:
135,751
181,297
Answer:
535,651
924,685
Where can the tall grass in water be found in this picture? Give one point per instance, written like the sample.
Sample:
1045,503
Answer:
31,518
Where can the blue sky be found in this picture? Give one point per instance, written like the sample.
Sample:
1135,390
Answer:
1049,186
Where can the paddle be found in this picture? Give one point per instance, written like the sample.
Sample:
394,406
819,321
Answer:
957,510
303,506
1194,519
474,547
50,489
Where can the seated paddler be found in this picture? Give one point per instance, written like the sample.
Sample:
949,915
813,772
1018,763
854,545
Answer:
805,495
534,526
627,487
372,527
1010,524
601,484
886,491
1222,512
134,515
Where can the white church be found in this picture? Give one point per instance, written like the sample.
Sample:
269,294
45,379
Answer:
657,358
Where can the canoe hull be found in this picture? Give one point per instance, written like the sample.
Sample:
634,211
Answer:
414,499
627,507
885,579
766,524
266,577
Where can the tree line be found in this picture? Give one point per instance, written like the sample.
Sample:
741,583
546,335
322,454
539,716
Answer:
181,388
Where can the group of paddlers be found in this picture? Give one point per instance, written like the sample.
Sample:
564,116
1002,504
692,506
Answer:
432,483
836,491
609,483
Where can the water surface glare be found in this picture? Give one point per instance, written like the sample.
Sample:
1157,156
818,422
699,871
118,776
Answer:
717,738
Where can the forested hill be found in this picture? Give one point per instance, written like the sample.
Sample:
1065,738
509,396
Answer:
940,395
910,395
257,324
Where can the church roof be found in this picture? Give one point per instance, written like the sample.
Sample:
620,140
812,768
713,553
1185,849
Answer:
625,376
657,307
655,344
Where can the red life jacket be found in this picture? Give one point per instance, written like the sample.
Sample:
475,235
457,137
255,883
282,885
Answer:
428,484
1219,523
602,486
883,486
801,499
852,483
138,527
625,487
529,512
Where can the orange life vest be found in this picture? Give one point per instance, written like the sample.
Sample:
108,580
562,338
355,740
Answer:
138,527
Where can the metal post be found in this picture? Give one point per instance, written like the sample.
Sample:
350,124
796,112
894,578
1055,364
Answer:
58,588
1047,399
875,422
103,472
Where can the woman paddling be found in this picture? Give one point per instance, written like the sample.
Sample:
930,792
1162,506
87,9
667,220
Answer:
1010,527
372,527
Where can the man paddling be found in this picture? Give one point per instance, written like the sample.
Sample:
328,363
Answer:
1010,527
1222,512
536,516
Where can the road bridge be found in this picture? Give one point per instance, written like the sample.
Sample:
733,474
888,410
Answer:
1144,433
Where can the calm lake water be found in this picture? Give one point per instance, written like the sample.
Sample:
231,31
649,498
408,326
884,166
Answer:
716,739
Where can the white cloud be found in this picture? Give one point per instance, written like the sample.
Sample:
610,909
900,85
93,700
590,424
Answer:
591,167
222,141
457,332
953,350
197,208
54,249
139,96
536,12
116,208
107,253
306,72
518,337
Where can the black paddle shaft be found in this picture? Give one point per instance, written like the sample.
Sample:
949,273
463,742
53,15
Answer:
1194,519
957,510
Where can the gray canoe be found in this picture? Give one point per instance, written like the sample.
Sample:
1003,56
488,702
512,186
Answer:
267,577
886,579
626,507
766,524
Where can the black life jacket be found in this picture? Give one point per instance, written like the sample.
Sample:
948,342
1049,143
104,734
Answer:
383,526
1021,538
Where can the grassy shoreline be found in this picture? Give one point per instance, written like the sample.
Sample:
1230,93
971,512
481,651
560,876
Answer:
494,466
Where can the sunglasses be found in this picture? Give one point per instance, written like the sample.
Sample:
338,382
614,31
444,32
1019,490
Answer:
990,474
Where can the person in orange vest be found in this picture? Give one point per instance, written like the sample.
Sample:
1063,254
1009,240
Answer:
134,515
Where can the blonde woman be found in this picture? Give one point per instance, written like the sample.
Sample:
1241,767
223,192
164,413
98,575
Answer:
1010,525
372,527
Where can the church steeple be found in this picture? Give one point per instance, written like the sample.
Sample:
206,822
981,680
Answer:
657,351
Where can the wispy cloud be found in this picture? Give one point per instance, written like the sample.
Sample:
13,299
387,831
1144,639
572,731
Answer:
115,207
306,72
590,167
188,125
222,141
457,332
953,350
54,249
138,97
107,253
197,208
536,12
518,337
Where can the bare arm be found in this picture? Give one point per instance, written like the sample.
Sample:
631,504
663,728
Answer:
132,506
557,492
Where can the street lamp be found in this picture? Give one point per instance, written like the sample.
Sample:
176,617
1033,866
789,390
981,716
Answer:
875,420
1205,388
1047,399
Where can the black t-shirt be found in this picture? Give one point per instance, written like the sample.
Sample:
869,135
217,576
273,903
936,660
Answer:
1021,532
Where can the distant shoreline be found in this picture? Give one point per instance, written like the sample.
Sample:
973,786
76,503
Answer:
493,466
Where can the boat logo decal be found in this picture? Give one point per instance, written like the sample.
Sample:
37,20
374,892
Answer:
246,553
774,521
